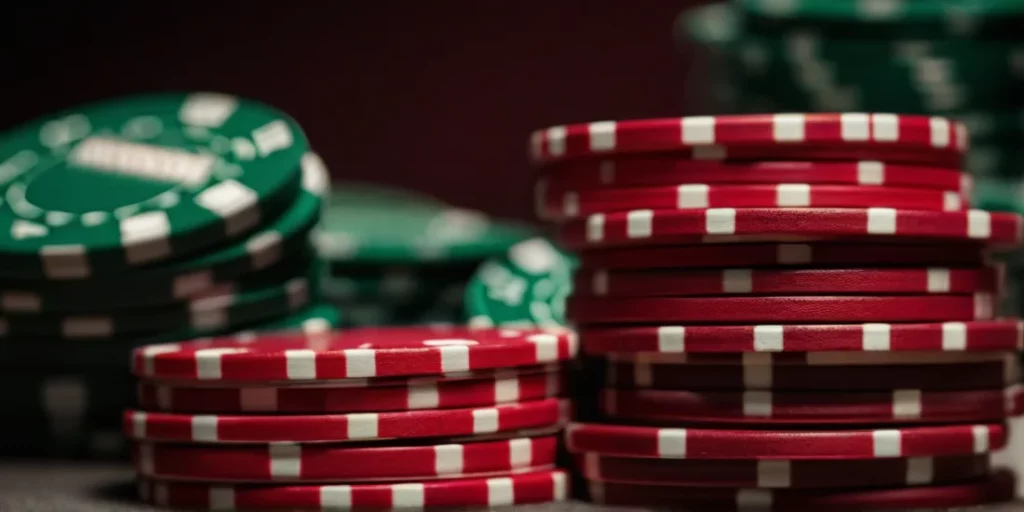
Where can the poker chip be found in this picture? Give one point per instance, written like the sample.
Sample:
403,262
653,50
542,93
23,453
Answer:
921,133
834,444
816,358
76,234
846,378
514,489
901,406
652,171
398,257
781,308
743,281
328,463
993,335
527,287
687,196
783,474
213,313
998,487
500,388
817,254
357,353
322,428
653,227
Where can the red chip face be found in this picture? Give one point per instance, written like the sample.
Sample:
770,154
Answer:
659,170
332,463
358,353
515,489
994,488
732,225
886,131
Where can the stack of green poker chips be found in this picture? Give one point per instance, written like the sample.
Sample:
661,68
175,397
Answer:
140,220
396,257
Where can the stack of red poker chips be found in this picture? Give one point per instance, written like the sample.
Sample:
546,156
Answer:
359,419
790,312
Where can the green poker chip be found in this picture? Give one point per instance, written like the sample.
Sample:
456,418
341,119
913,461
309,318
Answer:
360,229
207,313
74,355
175,281
877,11
714,25
527,287
130,182
977,19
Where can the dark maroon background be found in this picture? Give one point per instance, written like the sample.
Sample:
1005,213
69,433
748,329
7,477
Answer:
435,95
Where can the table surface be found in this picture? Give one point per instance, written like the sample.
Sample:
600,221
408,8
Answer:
28,486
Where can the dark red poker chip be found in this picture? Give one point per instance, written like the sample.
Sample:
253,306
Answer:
691,195
946,337
781,309
997,488
729,225
647,171
516,489
331,463
797,474
356,353
818,254
831,444
931,377
785,281
901,132
755,408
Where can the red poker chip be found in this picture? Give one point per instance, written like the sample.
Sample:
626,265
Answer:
514,489
901,406
329,463
825,358
691,195
503,388
930,377
401,380
642,171
785,281
796,474
902,132
781,308
357,353
700,443
653,227
817,254
784,153
947,337
224,429
997,488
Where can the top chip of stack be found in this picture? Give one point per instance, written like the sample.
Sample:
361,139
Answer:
755,339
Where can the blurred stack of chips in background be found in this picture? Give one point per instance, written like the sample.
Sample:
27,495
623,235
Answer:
397,257
134,221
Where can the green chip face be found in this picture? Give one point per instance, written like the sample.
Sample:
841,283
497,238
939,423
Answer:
358,228
528,287
285,235
867,11
134,181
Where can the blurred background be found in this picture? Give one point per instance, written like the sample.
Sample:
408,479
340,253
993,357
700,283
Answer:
437,96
